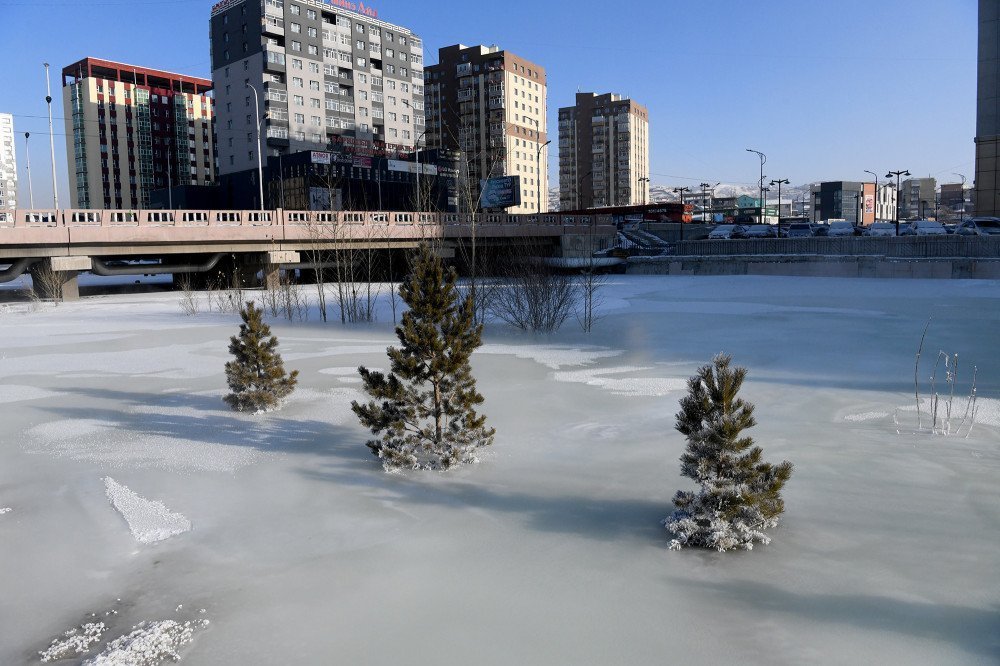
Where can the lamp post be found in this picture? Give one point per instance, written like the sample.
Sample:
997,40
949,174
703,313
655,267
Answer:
875,204
681,191
763,159
704,196
260,161
962,213
538,172
897,174
646,181
779,183
763,202
579,188
52,141
27,166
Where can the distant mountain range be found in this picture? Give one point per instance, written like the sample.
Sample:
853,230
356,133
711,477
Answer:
665,193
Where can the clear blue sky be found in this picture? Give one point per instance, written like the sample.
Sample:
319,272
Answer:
825,89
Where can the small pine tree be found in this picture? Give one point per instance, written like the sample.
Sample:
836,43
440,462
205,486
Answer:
739,496
423,412
257,376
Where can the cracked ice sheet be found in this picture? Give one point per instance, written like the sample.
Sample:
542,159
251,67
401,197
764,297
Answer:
169,362
552,356
148,520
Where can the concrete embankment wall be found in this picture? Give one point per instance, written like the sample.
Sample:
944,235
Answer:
819,266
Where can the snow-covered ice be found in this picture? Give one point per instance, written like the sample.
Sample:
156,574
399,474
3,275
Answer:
549,552
150,643
148,520
74,642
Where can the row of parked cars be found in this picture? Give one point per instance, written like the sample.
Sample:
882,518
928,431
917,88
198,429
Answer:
979,226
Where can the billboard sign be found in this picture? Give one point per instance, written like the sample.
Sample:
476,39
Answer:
411,167
501,192
319,157
869,204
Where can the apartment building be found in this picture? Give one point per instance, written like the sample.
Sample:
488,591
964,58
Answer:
603,152
855,202
490,105
917,198
312,75
8,163
131,130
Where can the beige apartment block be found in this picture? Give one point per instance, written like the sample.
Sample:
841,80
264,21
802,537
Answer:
8,163
603,153
490,105
131,130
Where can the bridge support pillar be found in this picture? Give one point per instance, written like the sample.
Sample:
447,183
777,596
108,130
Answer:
271,263
56,278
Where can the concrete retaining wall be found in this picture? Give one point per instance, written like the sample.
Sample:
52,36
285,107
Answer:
842,267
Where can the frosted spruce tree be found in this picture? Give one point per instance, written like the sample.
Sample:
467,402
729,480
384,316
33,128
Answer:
423,412
739,496
257,375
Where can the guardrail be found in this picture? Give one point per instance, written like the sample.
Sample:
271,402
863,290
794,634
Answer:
907,247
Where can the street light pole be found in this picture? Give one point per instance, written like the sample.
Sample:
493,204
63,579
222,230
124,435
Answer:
538,171
681,191
779,183
704,196
763,159
646,182
27,166
52,140
260,161
897,174
962,214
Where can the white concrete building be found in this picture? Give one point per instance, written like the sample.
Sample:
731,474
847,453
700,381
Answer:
8,163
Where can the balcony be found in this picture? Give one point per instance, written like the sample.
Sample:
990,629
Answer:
496,103
466,94
272,25
495,77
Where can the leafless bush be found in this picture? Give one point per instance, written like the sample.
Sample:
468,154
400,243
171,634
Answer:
589,286
294,304
943,412
47,281
189,303
534,297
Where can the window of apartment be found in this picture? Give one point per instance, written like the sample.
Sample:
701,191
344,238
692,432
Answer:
300,118
299,100
295,9
312,32
297,46
359,28
314,103
314,85
389,53
311,14
300,136
297,82
296,63
362,77
392,116
312,49
404,87
363,112
296,28
391,69
361,62
227,72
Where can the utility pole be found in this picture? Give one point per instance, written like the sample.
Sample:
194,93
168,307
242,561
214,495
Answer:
704,196
646,182
962,214
538,170
52,140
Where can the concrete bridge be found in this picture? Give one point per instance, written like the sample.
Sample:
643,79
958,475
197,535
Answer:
60,244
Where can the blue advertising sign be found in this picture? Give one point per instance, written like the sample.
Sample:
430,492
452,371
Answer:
501,192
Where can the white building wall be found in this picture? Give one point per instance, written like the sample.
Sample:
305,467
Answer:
8,163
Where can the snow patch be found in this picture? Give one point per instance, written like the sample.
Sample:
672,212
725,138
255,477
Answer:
75,642
866,416
553,356
10,393
5,509
150,643
988,412
148,521
629,386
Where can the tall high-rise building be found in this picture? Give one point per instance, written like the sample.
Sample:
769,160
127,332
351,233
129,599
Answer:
324,76
8,163
603,152
490,105
131,130
987,192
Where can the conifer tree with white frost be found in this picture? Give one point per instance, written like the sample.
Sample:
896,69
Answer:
256,376
423,412
738,496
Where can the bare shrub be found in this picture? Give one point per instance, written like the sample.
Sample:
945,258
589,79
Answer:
189,303
534,297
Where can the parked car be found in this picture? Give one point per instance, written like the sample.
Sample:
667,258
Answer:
723,231
980,226
840,228
760,231
800,230
879,229
819,229
925,228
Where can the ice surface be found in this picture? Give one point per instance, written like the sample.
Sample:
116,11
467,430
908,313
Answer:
149,521
551,550
74,642
10,393
5,510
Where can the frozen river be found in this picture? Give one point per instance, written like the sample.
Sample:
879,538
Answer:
135,495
